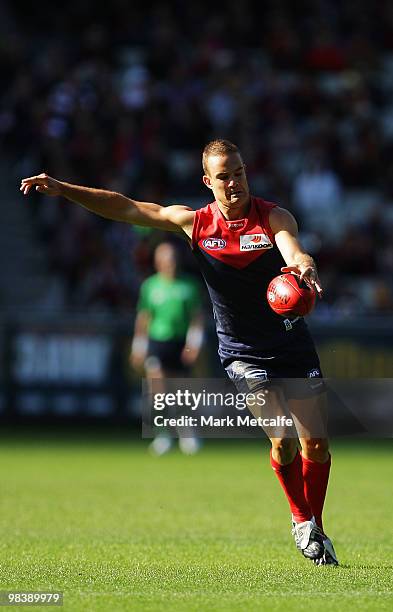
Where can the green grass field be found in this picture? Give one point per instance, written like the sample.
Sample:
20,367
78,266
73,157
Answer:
116,529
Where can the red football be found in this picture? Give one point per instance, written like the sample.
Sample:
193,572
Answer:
289,297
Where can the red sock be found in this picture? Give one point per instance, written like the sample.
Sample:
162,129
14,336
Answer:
316,476
291,480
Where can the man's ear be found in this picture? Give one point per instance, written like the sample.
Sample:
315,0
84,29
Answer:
207,181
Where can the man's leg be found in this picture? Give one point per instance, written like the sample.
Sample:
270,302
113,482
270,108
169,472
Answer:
286,462
311,424
308,537
155,378
311,415
287,465
284,457
316,469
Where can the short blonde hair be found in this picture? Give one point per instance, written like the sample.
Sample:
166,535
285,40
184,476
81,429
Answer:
217,147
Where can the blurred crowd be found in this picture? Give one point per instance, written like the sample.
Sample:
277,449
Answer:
124,96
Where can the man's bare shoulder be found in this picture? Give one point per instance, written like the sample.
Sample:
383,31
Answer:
180,215
281,219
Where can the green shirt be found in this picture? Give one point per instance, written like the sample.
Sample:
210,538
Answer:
171,304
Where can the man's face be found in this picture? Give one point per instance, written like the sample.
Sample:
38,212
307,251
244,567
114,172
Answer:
165,259
226,177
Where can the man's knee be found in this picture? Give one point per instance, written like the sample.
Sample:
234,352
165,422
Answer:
316,449
284,449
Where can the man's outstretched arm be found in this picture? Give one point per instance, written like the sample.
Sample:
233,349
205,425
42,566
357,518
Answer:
115,206
285,230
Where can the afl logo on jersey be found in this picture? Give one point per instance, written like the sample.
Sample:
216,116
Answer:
214,244
254,242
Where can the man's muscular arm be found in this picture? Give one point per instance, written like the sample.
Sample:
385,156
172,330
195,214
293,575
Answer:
285,230
115,206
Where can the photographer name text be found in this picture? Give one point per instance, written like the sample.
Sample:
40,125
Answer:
227,421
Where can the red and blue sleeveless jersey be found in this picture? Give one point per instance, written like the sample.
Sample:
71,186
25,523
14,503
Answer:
238,259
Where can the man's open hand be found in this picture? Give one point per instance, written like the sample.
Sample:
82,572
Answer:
307,273
43,183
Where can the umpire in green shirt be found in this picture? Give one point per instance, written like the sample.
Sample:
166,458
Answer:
168,330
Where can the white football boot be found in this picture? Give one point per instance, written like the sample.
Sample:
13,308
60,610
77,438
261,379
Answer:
329,557
160,445
308,539
189,446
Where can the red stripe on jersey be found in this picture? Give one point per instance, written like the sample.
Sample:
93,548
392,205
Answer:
236,243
